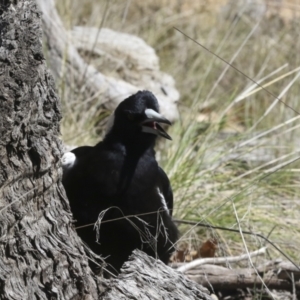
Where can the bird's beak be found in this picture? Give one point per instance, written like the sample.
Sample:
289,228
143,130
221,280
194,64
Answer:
151,123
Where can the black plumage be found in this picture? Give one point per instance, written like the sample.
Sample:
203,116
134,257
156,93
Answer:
121,175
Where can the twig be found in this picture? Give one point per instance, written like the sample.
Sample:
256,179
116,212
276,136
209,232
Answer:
219,260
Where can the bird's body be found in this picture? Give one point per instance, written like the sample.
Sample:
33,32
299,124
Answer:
121,175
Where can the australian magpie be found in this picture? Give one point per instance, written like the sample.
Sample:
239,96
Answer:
121,178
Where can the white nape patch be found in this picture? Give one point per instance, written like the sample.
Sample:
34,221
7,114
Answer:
68,160
110,123
152,114
163,201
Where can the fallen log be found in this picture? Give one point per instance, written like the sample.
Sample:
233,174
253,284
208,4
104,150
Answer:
64,60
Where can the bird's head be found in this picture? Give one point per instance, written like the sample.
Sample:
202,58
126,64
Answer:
138,117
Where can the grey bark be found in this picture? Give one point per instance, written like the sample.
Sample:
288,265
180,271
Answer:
41,256
156,279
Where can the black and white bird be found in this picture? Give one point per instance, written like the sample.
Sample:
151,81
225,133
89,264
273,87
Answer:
121,176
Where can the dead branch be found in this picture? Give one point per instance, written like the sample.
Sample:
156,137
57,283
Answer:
64,60
224,279
276,275
219,260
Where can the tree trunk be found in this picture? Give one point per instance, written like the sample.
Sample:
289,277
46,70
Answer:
41,255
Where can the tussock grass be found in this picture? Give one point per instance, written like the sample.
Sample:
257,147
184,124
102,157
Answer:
233,159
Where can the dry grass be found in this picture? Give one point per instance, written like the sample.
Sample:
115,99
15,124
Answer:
246,180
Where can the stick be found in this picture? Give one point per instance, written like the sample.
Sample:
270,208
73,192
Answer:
219,260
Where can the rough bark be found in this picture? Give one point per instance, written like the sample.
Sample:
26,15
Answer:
156,279
41,256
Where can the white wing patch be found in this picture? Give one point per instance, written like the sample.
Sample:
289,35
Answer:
68,160
163,201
